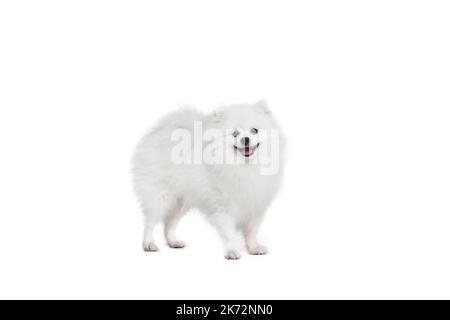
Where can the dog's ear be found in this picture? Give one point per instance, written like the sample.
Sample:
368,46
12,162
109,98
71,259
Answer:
262,106
218,114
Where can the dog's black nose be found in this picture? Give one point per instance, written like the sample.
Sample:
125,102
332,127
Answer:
245,141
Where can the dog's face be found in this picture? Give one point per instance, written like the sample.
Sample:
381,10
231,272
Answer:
248,128
246,141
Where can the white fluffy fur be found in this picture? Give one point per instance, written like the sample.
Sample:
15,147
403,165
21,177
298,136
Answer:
233,198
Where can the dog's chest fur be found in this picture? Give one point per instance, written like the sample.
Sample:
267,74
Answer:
251,191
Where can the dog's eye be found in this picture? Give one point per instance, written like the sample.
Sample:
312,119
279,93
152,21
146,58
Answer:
254,130
235,133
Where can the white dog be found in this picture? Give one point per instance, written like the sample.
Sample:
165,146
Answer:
227,164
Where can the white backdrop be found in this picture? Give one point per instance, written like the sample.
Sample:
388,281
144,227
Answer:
360,87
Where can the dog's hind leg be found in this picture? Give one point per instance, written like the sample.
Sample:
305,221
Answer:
148,243
156,206
171,223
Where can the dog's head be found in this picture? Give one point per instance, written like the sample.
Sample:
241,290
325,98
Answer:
247,127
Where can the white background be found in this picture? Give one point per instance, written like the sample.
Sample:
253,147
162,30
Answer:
360,87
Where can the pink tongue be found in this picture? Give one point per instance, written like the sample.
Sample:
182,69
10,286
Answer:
247,151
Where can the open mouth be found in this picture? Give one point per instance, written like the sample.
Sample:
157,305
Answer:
247,151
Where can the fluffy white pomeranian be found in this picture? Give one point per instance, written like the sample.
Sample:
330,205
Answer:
227,164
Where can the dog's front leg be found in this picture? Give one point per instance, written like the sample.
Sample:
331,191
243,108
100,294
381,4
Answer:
232,238
250,233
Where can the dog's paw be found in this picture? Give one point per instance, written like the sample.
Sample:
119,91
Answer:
232,255
176,244
258,250
150,247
